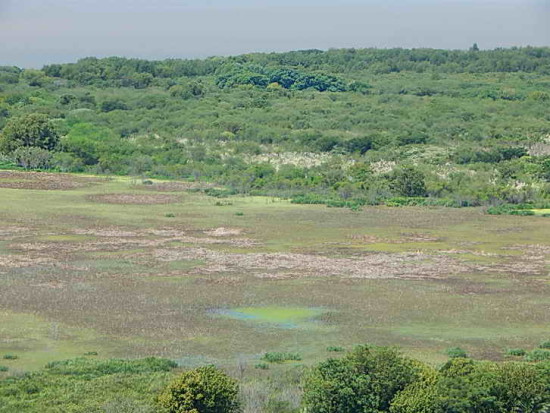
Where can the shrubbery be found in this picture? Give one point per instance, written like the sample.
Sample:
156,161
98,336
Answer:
203,390
354,126
382,380
275,357
365,380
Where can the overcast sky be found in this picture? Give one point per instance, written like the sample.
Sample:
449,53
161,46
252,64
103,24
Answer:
36,32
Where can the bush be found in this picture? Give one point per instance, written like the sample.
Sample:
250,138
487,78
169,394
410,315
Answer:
515,352
455,352
275,357
538,355
203,390
113,104
10,357
463,385
335,348
337,386
545,344
3,369
408,181
365,380
30,157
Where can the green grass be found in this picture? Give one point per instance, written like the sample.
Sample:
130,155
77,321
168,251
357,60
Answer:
36,341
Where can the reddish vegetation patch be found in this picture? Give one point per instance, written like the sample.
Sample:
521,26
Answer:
406,238
135,199
283,265
177,186
43,180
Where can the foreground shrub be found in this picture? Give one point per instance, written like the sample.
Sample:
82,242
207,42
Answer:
366,380
463,385
203,390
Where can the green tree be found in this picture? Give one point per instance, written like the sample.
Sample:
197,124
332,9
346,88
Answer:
34,130
202,390
408,181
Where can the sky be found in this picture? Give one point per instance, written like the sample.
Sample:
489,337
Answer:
38,32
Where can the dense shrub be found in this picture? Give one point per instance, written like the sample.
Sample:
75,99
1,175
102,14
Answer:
30,157
203,390
408,181
463,385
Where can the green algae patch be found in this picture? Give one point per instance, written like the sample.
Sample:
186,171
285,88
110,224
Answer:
283,317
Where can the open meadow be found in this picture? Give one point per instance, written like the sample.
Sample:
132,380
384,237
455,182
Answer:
123,268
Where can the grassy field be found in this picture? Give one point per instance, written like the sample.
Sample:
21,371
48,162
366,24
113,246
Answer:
124,269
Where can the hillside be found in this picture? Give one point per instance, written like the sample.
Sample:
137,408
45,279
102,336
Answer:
344,127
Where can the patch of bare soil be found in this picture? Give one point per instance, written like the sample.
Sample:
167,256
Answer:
115,239
21,261
471,252
223,232
135,199
533,261
11,232
44,180
106,232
